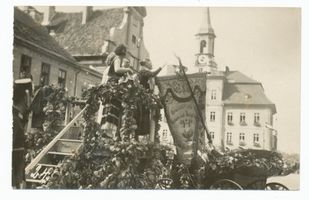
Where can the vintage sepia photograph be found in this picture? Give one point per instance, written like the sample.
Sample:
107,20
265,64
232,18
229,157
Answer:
156,97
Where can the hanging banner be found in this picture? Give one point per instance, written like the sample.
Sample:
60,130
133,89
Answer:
181,113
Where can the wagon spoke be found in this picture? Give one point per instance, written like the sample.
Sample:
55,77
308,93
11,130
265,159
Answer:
275,186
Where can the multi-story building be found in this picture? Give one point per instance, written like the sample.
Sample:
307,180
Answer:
38,55
90,35
238,113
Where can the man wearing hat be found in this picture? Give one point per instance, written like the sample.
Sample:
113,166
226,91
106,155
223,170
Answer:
21,100
144,115
146,75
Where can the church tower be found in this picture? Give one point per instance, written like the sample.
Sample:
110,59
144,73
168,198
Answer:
205,45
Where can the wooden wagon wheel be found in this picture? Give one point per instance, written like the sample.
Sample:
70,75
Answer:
225,184
257,185
275,186
164,183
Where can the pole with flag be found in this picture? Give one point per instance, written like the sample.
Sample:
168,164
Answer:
196,135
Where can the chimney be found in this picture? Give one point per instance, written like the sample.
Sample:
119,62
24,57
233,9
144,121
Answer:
48,14
87,11
227,69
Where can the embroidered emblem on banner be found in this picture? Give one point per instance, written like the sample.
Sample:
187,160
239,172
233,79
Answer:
181,112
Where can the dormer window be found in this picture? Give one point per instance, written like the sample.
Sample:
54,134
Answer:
247,96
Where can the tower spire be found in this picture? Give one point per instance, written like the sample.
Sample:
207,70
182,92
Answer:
206,44
206,23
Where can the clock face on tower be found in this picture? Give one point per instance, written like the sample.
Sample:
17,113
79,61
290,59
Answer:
202,59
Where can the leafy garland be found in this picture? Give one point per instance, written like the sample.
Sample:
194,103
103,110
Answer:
291,163
128,164
54,101
105,163
250,162
122,165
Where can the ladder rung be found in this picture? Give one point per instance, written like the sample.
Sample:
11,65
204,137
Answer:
70,140
48,165
49,149
60,153
34,181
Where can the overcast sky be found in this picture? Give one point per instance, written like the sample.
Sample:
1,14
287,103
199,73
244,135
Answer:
263,43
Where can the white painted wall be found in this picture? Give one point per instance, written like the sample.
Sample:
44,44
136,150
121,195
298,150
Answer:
250,128
214,105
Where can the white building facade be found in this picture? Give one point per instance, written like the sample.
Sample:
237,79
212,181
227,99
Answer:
238,113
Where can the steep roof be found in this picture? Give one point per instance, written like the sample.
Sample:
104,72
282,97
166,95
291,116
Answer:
27,30
238,77
242,90
244,94
88,38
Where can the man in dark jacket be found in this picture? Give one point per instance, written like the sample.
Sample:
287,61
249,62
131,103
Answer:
144,114
21,97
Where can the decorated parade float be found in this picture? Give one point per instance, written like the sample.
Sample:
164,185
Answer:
82,156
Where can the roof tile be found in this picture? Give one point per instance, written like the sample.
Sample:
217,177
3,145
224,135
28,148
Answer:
85,39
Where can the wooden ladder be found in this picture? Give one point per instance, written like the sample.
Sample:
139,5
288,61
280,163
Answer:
66,144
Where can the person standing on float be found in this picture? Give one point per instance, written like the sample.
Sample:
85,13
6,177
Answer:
110,109
144,115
